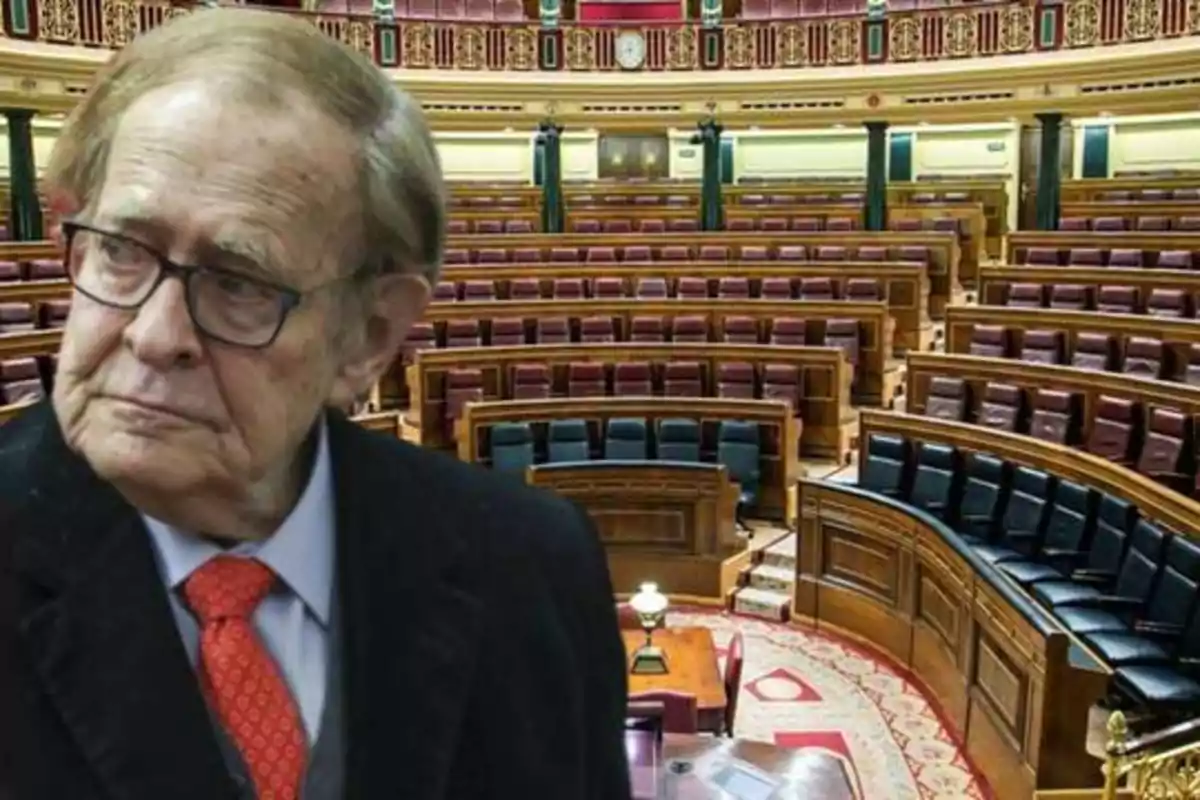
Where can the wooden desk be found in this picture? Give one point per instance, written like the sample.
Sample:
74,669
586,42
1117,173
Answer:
692,664
807,773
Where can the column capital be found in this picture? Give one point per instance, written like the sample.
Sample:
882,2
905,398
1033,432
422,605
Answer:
1050,117
18,113
876,125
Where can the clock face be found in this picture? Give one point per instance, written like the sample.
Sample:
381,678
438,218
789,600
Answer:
631,49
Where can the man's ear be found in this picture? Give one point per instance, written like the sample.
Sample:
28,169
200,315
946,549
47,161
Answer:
392,305
60,205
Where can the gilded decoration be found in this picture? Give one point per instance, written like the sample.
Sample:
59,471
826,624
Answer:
740,47
520,49
961,35
791,44
844,41
470,48
417,45
1142,20
120,22
579,49
1081,27
355,32
682,49
58,21
1016,29
1193,16
905,39
1149,771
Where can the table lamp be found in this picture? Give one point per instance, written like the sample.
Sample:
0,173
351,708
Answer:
651,607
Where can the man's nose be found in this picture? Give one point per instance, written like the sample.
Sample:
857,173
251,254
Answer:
162,333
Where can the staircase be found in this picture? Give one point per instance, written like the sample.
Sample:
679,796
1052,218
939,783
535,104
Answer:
765,588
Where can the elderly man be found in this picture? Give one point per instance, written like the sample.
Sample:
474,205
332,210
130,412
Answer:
225,589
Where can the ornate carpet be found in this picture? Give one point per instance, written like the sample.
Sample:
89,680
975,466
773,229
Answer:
805,689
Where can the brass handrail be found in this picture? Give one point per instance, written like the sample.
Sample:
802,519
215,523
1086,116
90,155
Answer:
1161,765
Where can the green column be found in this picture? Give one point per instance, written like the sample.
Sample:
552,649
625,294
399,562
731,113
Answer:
875,208
550,150
1049,177
708,136
25,210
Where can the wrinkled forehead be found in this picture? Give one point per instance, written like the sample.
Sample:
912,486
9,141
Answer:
194,164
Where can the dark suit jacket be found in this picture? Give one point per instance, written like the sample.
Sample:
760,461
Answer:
481,655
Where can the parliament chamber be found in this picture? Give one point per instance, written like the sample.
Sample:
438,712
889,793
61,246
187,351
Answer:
866,333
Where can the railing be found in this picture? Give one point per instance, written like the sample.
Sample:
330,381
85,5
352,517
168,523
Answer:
966,31
1164,764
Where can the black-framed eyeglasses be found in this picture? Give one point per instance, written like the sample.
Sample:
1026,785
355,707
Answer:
121,272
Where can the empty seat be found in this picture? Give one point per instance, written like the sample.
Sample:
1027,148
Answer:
1044,256
651,288
1043,347
632,378
462,386
518,226
678,440
527,255
1055,416
1153,224
773,224
982,500
530,381
491,255
933,478
792,252
567,440
831,253
646,329
863,290
625,439
1070,297
714,252
1026,295
586,380
789,331
46,269
816,289
1187,224
1167,303
652,225
463,333
508,332
1175,259
675,252
616,226
1058,559
1125,258
781,382
1108,224
948,398
597,330
601,255
608,288
445,292
489,226
1094,351
564,255
1133,580
553,330
992,341
846,335
740,330
689,329
682,225
776,289
906,225
635,254
806,224
1191,374
1074,223
478,290
682,379
568,289
1167,449
740,224
840,224
1085,257
691,288
739,450
730,287
1026,513
16,317
1002,408
885,469
20,381
735,379
1144,357
1068,528
1116,426
512,447
584,226
913,254
1117,300
871,253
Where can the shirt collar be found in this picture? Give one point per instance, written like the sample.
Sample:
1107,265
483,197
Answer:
300,552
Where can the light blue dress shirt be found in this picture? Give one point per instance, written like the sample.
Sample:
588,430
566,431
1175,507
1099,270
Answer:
293,620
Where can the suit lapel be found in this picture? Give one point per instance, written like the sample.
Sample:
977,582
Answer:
411,620
100,636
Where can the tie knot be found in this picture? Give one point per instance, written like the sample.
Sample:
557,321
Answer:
227,587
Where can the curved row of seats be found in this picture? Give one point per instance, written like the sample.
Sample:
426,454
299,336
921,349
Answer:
676,253
658,288
1147,224
1124,257
1107,299
1136,355
1121,584
1156,441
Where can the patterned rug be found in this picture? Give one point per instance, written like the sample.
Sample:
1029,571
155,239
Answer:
808,690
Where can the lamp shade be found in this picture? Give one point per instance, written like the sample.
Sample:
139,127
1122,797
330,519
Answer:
648,601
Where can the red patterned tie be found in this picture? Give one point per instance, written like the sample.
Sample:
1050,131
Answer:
242,681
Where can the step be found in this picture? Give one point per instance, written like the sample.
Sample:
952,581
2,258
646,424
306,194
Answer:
773,578
781,553
774,606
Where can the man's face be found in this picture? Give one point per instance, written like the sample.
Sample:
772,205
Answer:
149,400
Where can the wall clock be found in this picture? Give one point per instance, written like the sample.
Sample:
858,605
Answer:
631,50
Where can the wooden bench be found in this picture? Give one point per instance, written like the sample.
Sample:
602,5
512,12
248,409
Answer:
970,220
670,520
381,421
875,375
1177,335
484,195
1130,211
1151,244
1083,190
824,380
779,465
995,282
905,287
471,217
